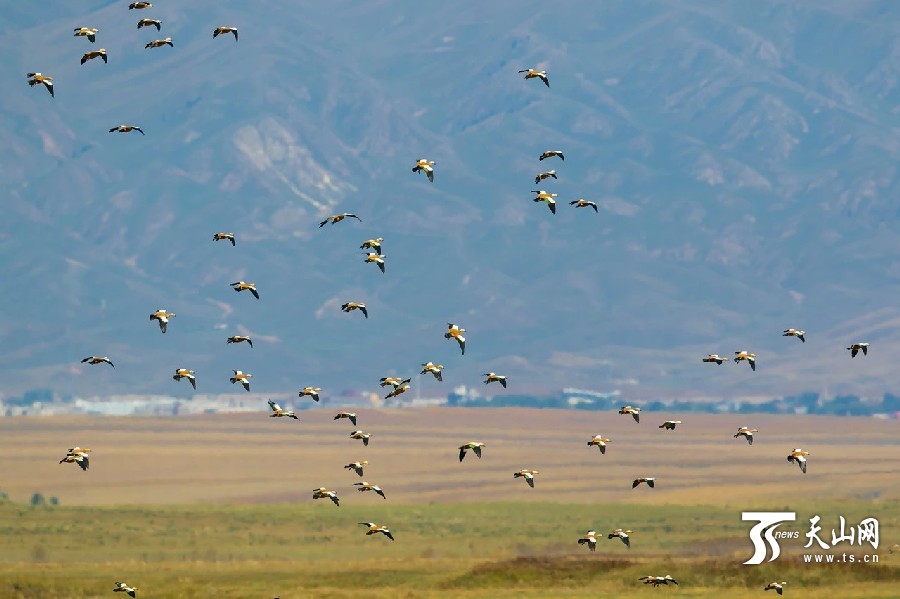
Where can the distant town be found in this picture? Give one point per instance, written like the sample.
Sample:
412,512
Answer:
44,402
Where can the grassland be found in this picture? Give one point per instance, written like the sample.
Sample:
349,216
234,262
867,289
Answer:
221,506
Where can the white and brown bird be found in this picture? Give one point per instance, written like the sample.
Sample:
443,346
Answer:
126,129
372,244
393,381
747,433
357,466
527,474
582,203
241,377
399,390
426,166
160,43
277,412
551,154
97,360
162,317
364,486
336,218
454,331
795,333
669,425
242,286
150,23
714,358
240,339
545,175
433,369
622,535
101,53
740,356
375,528
493,377
312,392
778,587
533,74
139,5
600,441
364,437
474,446
87,32
655,581
635,412
77,455
225,30
856,347
799,456
589,539
546,197
351,306
323,493
651,481
45,80
224,236
184,373
122,587
351,416
375,258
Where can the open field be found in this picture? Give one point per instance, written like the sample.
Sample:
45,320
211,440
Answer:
221,505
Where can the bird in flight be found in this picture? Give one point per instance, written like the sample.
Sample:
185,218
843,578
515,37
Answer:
546,197
242,377
126,129
375,528
532,74
351,306
582,203
277,412
336,218
426,166
87,32
493,377
795,333
551,154
635,412
160,43
242,286
856,347
221,236
475,446
150,23
455,332
97,360
221,30
101,53
240,339
163,318
740,356
184,373
45,80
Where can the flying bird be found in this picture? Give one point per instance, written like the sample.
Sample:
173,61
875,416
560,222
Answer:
397,391
364,437
545,175
426,166
655,581
714,358
221,236
361,306
101,53
336,218
649,480
97,360
551,154
45,80
621,534
77,455
122,587
240,339
475,446
740,356
162,317
376,258
589,538
600,441
854,349
635,412
532,74
799,456
746,433
494,378
434,369
364,486
374,528
220,30
546,197
277,412
795,333
357,466
126,129
455,332
184,373
87,32
150,23
778,587
160,43
323,493
372,244
582,203
312,392
393,381
242,377
138,5
351,416
242,286
527,474
669,425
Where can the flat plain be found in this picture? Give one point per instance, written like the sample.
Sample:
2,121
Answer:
222,505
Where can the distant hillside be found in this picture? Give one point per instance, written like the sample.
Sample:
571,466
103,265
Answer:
743,155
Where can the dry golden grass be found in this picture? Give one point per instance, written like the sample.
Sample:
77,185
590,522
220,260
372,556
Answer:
251,458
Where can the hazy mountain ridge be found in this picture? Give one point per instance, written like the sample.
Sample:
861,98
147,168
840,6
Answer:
743,158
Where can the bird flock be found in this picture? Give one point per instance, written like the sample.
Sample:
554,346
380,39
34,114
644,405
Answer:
373,255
